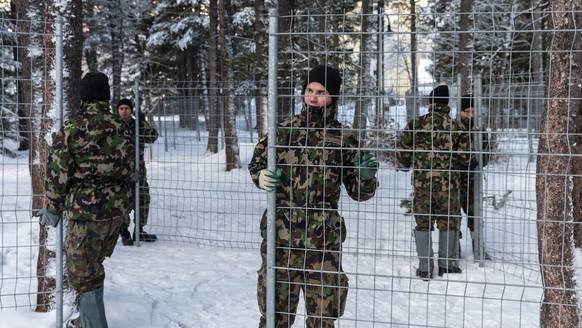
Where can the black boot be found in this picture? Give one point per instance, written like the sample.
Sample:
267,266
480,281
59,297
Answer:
126,237
426,276
449,270
74,320
74,323
144,236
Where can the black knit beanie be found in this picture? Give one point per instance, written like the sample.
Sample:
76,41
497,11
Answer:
439,95
127,102
328,76
95,86
466,102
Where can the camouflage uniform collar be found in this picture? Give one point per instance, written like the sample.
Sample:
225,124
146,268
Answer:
318,117
439,108
97,106
469,124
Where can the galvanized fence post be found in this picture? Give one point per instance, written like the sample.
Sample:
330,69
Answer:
272,166
136,208
60,118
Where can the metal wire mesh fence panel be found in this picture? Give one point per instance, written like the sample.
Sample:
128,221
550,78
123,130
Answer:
388,69
19,231
189,202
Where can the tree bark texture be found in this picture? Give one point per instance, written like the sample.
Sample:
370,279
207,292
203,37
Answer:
117,54
73,54
465,39
38,33
555,222
182,77
193,91
39,92
360,110
23,110
213,109
229,123
260,75
412,111
285,102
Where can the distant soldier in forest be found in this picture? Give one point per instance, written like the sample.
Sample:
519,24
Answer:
468,175
147,134
89,180
435,148
315,155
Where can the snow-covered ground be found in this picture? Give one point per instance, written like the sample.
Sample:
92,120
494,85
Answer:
176,282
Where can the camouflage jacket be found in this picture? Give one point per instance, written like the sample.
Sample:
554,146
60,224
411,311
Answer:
90,166
485,149
316,156
436,147
147,134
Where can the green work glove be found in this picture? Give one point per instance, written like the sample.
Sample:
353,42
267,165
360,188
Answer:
268,180
366,164
48,218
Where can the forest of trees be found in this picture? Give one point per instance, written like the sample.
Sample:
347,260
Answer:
211,49
199,47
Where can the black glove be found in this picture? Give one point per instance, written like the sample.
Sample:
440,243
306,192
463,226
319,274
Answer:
142,117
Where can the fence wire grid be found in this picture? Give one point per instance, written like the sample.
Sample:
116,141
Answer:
197,203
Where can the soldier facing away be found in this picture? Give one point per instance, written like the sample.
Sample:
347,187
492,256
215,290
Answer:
315,156
435,148
89,179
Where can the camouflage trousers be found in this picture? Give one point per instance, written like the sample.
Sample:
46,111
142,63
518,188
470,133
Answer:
468,198
442,208
317,273
87,244
144,204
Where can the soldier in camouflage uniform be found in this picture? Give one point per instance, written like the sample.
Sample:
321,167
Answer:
147,135
468,175
436,148
315,155
89,179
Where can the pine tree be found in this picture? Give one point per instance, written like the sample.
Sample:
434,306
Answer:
8,87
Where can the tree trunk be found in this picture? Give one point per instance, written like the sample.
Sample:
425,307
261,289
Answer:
192,113
230,133
91,60
285,102
213,112
33,64
260,76
42,64
182,99
465,40
360,110
23,110
73,54
90,48
412,105
117,53
365,83
537,57
554,168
